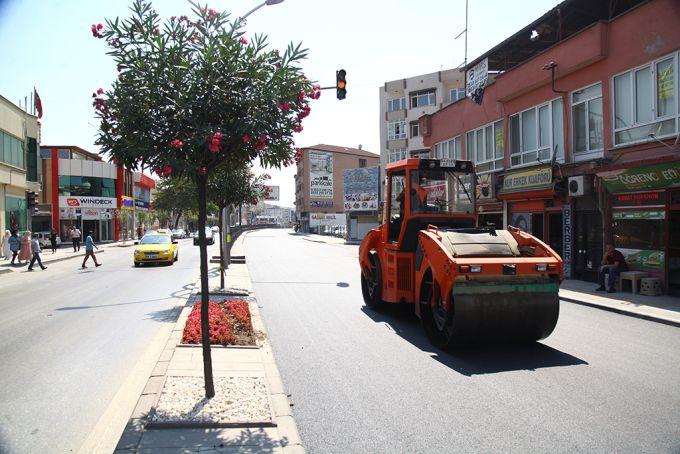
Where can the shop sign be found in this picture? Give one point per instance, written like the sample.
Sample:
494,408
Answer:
640,178
484,189
360,188
321,204
320,175
67,213
566,240
141,205
90,214
127,203
644,258
618,215
326,219
87,202
490,208
528,180
639,199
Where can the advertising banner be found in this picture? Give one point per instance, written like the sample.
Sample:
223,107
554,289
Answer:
88,202
326,219
619,215
522,221
90,213
140,205
528,180
639,199
272,193
475,80
644,258
320,175
321,203
127,203
640,178
360,187
484,189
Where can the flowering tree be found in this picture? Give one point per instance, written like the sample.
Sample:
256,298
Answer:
193,95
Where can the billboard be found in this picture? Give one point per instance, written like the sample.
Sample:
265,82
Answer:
327,219
320,175
360,188
272,193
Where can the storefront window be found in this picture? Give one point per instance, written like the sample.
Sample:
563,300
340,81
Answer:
15,213
639,236
87,186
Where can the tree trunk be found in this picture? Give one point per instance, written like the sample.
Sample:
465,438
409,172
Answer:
201,183
179,215
221,217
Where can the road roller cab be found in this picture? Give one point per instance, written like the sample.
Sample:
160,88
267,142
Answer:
467,283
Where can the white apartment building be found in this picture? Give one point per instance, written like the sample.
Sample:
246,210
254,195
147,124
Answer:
403,101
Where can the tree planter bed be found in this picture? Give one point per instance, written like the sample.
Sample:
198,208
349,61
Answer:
230,323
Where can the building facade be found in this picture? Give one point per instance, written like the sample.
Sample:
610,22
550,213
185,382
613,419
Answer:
319,198
404,101
575,139
19,170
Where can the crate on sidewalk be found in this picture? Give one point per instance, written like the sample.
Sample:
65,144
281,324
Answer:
650,286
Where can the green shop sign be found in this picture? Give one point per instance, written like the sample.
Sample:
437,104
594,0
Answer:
640,178
639,215
644,258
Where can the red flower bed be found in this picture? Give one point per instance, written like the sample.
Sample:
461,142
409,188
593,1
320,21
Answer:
229,322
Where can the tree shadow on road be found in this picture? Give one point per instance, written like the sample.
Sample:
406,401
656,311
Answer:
477,360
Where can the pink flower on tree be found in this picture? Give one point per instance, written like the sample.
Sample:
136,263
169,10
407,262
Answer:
298,127
95,30
99,26
243,40
167,171
177,144
100,91
217,135
214,145
202,170
246,138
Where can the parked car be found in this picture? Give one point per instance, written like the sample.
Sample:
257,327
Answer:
215,229
178,234
209,237
44,240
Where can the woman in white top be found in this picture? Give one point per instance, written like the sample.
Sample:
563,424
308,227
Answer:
6,251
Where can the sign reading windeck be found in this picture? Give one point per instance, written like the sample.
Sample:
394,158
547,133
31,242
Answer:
87,202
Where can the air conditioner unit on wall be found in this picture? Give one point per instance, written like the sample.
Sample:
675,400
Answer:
580,185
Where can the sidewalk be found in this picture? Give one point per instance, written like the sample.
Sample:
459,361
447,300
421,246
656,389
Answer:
663,309
64,252
275,433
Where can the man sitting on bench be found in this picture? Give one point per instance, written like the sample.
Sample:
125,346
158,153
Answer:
613,263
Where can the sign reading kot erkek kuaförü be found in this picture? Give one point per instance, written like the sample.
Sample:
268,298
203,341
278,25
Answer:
530,179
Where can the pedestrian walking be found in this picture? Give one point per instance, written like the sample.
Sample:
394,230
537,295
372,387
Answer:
75,237
35,247
6,250
53,241
14,245
25,251
89,250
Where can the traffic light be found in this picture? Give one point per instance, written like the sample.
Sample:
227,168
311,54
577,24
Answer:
30,201
340,84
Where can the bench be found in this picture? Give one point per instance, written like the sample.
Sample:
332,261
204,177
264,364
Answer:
634,277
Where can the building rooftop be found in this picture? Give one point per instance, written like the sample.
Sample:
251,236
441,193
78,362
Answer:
77,149
564,20
345,150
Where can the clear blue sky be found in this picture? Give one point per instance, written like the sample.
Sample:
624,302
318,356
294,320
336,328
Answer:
48,44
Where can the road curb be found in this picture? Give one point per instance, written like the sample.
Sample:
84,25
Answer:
617,310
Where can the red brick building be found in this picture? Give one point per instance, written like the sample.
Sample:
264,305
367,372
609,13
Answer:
576,135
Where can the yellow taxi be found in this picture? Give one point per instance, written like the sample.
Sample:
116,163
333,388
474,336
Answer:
156,248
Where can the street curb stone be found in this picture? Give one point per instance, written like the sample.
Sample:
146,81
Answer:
647,317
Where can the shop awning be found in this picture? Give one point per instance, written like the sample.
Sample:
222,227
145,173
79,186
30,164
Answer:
657,176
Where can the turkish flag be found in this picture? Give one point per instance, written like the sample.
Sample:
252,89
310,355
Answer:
38,103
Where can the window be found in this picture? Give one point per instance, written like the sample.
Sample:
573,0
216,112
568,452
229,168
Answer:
64,153
587,125
15,213
87,186
11,150
396,206
396,155
396,130
485,147
362,162
423,98
415,131
645,102
449,149
396,104
537,134
32,160
456,93
45,153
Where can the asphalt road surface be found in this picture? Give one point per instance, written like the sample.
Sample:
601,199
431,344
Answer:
69,339
367,382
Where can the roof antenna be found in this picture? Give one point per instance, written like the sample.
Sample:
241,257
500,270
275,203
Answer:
466,34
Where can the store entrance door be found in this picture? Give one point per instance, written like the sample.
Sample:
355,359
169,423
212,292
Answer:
587,244
91,226
674,250
555,232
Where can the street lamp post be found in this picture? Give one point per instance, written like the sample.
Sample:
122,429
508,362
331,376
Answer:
265,3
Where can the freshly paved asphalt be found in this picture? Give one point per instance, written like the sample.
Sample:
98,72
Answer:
69,339
367,382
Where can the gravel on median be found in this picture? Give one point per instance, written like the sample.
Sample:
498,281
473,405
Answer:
237,400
